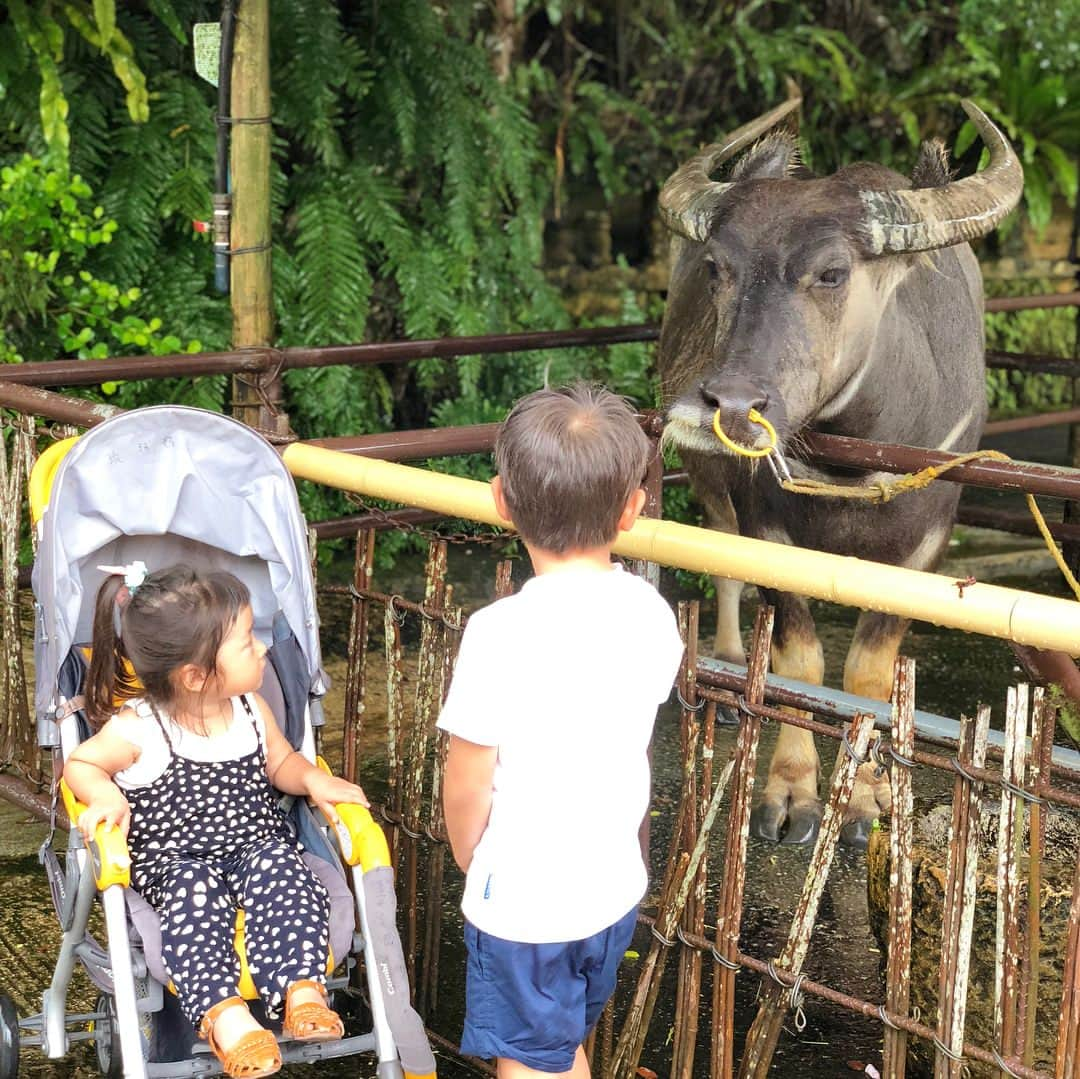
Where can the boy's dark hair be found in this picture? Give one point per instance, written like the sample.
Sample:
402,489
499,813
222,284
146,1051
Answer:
569,459
175,617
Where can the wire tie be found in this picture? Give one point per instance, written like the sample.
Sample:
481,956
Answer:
250,250
851,750
408,831
883,1015
1019,792
687,706
748,709
723,960
958,1057
682,938
957,767
1003,1065
396,614
795,998
454,622
660,937
906,762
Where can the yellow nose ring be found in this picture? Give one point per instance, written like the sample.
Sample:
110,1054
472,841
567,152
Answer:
745,451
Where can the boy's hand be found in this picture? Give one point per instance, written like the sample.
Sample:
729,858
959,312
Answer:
110,809
326,790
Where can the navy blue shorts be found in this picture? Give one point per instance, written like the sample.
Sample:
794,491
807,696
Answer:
535,1003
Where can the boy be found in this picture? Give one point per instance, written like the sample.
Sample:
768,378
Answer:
550,713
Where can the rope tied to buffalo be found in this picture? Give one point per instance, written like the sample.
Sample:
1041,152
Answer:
882,491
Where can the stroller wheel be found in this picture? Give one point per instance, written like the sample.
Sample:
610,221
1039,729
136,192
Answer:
107,1038
9,1038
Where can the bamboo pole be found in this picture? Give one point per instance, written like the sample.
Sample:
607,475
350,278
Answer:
959,905
1042,621
255,397
729,912
777,996
356,670
1010,828
898,963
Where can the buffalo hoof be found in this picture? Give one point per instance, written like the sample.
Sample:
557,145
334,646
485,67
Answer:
803,825
766,820
796,826
856,833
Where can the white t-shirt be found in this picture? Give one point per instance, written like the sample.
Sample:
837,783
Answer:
143,730
565,678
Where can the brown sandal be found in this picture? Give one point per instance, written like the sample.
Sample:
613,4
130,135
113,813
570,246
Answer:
310,1021
254,1054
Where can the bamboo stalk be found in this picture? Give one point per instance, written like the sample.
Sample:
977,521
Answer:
427,701
959,906
776,998
1007,958
395,707
1040,715
1065,1062
729,914
356,669
688,983
898,963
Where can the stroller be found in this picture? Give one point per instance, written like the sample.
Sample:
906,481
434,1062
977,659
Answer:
166,485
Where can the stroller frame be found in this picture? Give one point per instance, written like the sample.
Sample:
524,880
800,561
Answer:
186,456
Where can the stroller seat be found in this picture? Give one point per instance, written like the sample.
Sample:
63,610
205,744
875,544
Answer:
165,485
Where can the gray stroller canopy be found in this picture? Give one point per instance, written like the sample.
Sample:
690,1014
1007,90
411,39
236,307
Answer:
170,484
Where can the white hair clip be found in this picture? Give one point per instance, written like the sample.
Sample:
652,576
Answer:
134,574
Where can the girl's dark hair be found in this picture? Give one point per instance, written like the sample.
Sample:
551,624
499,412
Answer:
569,460
175,617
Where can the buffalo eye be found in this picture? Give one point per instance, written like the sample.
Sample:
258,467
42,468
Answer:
718,275
833,277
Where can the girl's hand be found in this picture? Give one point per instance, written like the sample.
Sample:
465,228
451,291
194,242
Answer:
326,790
110,809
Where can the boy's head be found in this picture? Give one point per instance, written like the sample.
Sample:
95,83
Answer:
569,461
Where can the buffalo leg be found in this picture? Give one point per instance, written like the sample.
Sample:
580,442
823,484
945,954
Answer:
868,672
791,790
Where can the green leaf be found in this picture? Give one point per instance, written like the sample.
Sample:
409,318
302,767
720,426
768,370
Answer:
105,18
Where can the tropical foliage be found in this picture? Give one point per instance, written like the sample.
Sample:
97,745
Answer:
424,153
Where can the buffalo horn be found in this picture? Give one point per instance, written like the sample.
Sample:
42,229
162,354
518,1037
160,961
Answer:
689,199
899,221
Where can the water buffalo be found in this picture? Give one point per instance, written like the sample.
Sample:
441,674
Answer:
849,304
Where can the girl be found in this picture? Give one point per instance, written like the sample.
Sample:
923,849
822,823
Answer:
184,769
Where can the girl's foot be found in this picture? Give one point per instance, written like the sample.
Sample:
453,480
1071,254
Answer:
307,1018
246,1049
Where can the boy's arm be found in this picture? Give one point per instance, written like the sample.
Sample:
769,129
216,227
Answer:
467,789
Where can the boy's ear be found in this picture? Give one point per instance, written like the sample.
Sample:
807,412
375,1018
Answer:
501,507
632,510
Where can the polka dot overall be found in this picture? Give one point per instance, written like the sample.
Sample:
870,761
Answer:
205,839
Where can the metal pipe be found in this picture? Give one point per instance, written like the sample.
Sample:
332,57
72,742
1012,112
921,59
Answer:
1029,303
1043,621
1030,423
92,372
999,475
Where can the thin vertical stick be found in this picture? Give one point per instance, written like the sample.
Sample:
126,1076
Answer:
777,996
395,708
959,905
1007,958
1038,766
898,964
729,915
689,978
356,670
428,697
1065,1064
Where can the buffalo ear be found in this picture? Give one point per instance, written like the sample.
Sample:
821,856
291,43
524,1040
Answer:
773,157
932,166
